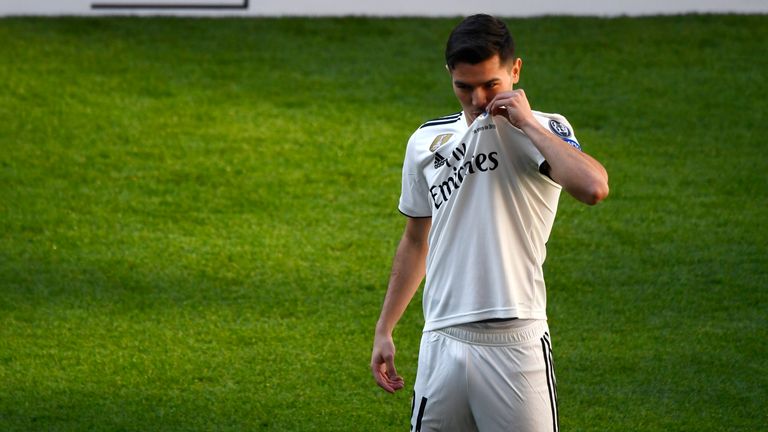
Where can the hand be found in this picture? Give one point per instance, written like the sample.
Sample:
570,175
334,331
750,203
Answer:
383,364
514,106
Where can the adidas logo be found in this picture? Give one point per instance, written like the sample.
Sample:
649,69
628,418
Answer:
439,160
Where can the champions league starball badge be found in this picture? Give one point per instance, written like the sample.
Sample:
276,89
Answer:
559,128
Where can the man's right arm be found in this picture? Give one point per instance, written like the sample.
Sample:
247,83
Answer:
408,270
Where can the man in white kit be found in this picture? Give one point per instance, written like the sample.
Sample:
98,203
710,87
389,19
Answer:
480,190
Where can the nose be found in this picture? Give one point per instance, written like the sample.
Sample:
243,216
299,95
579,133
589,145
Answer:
479,99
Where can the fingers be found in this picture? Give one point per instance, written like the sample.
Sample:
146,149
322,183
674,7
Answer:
504,102
388,380
386,376
395,380
383,364
390,384
512,105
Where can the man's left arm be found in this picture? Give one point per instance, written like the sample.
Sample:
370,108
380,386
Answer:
578,173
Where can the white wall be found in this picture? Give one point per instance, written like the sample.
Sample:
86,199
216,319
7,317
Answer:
376,7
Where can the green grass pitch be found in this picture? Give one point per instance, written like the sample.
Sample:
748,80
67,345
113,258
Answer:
197,219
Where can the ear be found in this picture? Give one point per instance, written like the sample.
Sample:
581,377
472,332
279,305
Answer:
514,70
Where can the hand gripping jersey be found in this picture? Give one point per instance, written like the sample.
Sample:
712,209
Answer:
492,212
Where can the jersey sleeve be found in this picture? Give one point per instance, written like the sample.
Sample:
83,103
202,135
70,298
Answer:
414,192
559,125
527,155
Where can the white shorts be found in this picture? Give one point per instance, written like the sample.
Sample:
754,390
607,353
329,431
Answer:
487,378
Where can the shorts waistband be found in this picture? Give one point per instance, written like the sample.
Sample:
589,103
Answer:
496,337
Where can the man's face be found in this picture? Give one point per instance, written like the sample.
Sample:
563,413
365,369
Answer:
475,85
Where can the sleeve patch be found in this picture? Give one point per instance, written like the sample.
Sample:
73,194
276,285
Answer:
573,143
560,129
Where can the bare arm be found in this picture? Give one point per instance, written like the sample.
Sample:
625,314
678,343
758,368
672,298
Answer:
408,270
578,173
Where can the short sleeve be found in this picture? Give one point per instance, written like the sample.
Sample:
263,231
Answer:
414,192
559,125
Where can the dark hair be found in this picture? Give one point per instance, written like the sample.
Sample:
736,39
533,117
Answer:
478,38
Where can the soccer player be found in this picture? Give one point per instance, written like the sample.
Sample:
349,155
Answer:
480,190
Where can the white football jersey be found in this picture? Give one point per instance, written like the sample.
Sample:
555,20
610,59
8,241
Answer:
492,212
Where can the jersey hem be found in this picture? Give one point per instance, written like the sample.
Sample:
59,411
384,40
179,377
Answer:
413,216
437,324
